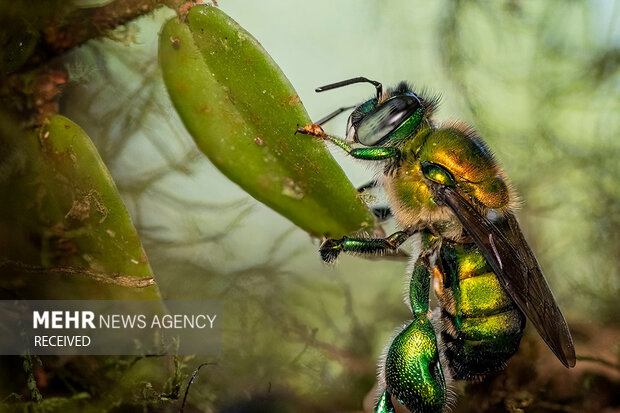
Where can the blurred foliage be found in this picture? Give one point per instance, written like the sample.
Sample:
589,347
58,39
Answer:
22,28
552,113
538,79
32,36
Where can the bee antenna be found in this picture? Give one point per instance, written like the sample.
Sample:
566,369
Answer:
348,82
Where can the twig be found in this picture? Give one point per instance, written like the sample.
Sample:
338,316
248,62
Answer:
89,23
599,361
191,380
122,280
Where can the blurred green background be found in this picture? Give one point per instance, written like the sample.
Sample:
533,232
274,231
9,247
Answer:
539,80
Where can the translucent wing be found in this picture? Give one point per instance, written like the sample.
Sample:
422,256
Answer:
511,258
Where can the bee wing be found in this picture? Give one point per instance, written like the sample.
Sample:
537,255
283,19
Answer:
512,260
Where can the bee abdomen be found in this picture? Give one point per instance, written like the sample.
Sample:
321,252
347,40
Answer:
482,345
486,328
481,326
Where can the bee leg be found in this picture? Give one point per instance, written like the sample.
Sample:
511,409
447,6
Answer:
368,185
368,154
382,213
331,248
412,369
384,404
332,115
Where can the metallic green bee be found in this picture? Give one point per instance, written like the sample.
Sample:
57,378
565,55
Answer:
446,190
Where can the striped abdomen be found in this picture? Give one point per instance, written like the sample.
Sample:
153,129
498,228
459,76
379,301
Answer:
481,326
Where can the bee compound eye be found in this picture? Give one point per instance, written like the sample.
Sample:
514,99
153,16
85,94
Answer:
437,173
377,125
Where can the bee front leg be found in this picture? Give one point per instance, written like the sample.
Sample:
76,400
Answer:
331,248
332,115
375,153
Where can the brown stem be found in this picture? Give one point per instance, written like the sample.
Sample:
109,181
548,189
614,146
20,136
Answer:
62,31
82,25
599,361
121,280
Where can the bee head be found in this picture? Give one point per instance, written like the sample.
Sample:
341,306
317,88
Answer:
386,119
390,120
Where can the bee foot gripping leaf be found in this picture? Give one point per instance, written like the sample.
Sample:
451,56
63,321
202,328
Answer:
242,113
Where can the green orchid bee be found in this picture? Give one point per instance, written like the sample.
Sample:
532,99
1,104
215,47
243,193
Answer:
448,194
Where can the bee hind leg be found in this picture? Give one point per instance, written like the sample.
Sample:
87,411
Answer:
412,369
384,404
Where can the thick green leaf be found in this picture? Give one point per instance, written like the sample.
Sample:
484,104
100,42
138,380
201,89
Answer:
68,232
243,112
